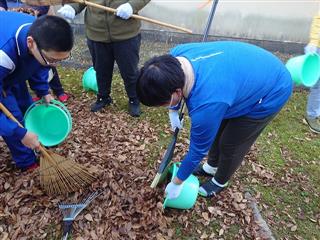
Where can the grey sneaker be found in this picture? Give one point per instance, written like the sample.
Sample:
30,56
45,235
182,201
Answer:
314,124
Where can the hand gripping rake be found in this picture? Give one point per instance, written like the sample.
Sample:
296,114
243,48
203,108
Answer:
71,211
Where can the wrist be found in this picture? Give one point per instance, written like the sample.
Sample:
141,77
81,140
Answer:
20,133
177,181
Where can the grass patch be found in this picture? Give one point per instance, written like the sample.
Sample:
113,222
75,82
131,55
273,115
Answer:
288,148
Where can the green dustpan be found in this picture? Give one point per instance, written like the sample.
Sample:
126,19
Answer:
189,193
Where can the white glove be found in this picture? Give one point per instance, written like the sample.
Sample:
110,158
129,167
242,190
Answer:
67,11
173,190
175,120
124,11
311,49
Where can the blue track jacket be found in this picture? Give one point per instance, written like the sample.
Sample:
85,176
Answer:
232,79
17,64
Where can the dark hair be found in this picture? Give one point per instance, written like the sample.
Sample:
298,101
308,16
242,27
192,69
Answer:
158,79
52,33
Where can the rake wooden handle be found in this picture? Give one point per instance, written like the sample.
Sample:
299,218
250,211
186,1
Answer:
108,9
9,115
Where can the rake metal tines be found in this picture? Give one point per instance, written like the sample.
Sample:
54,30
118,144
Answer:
71,211
59,175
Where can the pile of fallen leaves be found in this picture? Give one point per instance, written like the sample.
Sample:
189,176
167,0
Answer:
116,148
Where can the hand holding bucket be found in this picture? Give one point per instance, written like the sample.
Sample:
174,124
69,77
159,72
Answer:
189,192
304,69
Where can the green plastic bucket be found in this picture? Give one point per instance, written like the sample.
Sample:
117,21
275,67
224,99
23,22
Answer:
188,195
89,80
304,69
51,123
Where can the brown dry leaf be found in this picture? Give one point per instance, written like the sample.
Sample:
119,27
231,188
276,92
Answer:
170,233
160,237
6,185
4,236
88,217
293,228
221,231
205,215
93,235
212,235
238,197
248,219
204,236
211,209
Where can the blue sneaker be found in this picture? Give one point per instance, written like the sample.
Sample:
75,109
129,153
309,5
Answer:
211,188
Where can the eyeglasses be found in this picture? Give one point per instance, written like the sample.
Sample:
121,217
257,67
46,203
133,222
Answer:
50,61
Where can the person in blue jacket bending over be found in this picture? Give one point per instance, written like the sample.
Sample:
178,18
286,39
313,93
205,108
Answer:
232,91
29,47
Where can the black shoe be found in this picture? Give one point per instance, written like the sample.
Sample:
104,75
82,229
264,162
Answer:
134,108
101,103
210,189
200,172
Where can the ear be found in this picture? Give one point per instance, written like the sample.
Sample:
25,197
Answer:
179,92
31,43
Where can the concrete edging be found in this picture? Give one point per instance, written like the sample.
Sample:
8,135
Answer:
264,230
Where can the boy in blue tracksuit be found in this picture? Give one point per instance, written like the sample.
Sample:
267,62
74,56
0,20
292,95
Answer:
232,91
55,83
28,48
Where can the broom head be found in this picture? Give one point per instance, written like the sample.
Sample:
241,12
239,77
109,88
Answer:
59,175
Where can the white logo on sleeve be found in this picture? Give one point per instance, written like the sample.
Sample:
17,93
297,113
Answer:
205,56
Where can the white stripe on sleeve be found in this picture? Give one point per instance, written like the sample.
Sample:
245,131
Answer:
6,62
50,75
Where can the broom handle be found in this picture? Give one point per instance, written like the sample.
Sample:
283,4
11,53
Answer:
108,9
9,115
